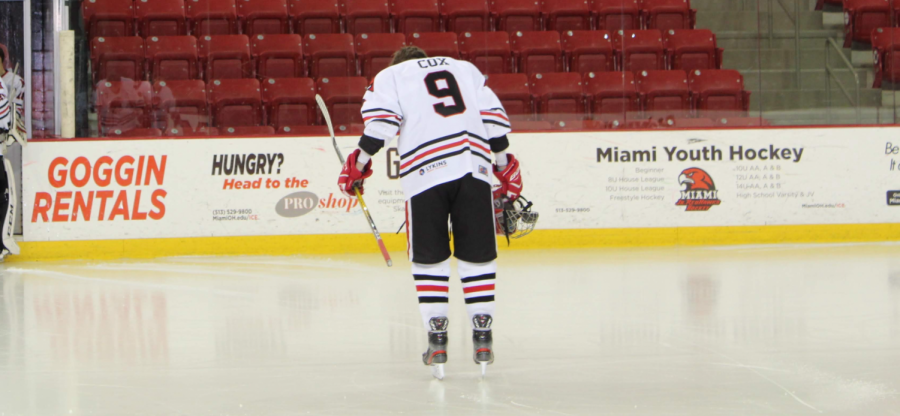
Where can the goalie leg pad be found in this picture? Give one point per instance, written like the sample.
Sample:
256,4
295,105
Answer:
8,204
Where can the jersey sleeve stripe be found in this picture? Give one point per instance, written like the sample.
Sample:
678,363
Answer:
380,116
498,115
495,122
384,121
379,109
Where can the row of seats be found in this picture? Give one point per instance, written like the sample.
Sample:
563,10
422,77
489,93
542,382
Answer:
286,102
191,104
862,17
558,96
517,126
147,18
338,55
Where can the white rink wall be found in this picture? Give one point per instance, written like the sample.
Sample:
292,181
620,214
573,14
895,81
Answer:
136,189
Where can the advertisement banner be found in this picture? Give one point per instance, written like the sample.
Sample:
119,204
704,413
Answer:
123,189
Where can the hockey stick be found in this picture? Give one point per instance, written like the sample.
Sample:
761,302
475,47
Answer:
362,203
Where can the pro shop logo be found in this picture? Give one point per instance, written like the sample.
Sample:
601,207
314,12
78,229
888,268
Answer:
699,192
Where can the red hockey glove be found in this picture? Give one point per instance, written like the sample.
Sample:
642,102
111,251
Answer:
510,180
351,176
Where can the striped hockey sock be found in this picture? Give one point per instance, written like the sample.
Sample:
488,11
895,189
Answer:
478,287
432,282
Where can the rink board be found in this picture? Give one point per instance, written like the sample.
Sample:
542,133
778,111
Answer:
147,198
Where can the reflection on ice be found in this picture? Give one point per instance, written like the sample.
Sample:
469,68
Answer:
756,330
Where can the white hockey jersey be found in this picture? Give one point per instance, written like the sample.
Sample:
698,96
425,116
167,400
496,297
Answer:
5,108
446,117
16,91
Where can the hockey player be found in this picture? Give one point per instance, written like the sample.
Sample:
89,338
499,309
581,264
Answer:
449,123
16,87
12,93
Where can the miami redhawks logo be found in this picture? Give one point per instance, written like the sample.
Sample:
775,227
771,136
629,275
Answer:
699,192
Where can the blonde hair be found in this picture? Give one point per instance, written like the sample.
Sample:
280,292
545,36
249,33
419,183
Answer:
407,53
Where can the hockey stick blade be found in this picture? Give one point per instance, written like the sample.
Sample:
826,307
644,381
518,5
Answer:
362,202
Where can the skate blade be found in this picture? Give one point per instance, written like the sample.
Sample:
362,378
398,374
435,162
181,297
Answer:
437,370
483,369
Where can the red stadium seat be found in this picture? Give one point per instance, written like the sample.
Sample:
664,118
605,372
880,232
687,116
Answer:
516,15
367,16
692,49
234,102
330,55
413,16
225,57
489,51
344,97
247,131
558,96
717,92
563,15
664,93
212,17
160,17
588,51
886,45
118,57
180,104
108,18
289,101
303,131
668,14
640,50
122,106
278,56
537,52
200,132
513,92
616,15
263,17
315,16
172,57
466,15
611,93
375,51
136,133
861,17
436,43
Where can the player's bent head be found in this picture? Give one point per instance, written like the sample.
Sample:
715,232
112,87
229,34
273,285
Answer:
407,53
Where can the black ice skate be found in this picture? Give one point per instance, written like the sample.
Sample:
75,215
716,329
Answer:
482,341
436,355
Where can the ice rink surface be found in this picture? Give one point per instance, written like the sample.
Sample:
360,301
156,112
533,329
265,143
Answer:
768,330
